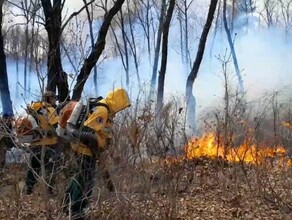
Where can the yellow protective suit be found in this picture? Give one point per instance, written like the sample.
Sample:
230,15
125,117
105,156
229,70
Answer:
47,119
100,119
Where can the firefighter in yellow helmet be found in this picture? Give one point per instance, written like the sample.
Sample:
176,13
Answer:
89,126
37,128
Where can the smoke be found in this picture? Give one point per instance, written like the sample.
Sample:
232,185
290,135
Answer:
263,55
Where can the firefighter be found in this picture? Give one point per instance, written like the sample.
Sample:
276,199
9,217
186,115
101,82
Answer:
38,129
89,127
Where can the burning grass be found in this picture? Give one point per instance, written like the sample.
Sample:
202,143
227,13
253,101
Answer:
209,146
216,178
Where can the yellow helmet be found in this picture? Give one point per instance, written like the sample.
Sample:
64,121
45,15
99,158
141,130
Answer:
35,106
118,100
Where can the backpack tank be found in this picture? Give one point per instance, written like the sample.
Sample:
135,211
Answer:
25,128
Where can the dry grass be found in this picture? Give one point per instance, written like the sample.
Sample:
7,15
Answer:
151,183
170,189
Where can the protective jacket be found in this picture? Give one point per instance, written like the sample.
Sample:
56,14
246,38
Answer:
37,126
90,124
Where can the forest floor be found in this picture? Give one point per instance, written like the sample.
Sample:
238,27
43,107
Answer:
170,189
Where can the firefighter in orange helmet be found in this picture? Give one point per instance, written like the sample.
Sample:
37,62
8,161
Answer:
89,128
37,128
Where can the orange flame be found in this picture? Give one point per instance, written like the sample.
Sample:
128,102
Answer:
208,147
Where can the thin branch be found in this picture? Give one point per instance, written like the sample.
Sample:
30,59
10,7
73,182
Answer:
75,14
13,4
188,6
41,23
62,5
11,26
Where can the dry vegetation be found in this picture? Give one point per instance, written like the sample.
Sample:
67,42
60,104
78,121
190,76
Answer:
154,179
181,189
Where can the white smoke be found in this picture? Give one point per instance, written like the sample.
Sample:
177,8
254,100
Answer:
263,56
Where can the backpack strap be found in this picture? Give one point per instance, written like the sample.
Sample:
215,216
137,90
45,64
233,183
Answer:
94,102
103,104
82,116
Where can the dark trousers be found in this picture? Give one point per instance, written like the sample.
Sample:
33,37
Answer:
51,161
6,143
2,155
80,186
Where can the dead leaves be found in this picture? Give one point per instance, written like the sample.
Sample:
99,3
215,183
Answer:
180,189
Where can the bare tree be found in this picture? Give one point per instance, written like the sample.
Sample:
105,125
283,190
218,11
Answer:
145,17
90,19
53,24
183,13
57,78
157,48
286,7
164,50
270,14
246,6
15,49
4,86
190,98
215,28
232,49
124,47
132,40
96,51
28,12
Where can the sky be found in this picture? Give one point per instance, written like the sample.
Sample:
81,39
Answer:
263,54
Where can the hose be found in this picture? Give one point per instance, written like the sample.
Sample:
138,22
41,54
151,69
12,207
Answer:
87,138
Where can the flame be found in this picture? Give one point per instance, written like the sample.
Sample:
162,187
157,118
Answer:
207,146
287,125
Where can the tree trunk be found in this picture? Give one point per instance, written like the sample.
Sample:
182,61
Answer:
26,58
232,49
215,28
57,78
181,35
164,49
125,49
4,86
90,19
96,51
132,44
190,98
157,49
186,33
